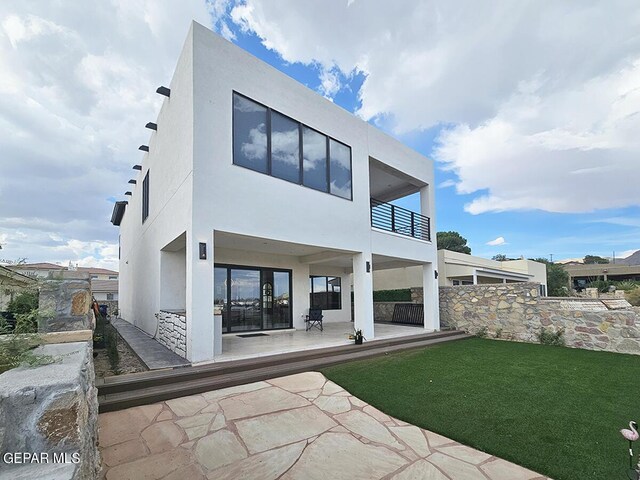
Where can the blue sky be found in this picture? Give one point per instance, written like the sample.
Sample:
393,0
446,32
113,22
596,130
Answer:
531,233
529,110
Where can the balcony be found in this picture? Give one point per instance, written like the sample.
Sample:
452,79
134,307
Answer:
391,218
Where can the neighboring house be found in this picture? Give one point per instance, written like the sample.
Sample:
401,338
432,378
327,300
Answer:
44,269
581,275
104,282
11,284
461,269
261,198
105,290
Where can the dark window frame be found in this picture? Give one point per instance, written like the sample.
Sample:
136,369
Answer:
301,149
327,305
145,197
231,266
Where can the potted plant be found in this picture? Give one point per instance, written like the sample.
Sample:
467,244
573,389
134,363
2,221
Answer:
357,336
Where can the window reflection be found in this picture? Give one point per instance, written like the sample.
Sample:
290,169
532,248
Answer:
249,134
314,162
285,148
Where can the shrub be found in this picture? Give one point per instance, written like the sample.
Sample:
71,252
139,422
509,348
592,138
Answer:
482,332
24,302
549,337
601,285
400,295
633,297
627,285
111,340
17,350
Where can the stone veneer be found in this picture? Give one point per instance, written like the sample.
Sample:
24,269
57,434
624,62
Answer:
172,331
517,312
65,302
51,409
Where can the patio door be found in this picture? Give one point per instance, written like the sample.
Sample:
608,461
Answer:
253,298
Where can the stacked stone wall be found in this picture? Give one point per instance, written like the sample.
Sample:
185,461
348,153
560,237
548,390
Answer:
517,312
53,410
65,302
172,332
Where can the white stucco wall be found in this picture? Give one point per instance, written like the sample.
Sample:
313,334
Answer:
195,188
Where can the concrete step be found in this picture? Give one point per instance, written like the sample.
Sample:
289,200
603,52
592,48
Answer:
183,382
124,383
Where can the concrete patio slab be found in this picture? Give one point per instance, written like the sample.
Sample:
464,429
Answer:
281,434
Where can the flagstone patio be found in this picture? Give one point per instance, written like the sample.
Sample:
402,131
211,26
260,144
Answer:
297,427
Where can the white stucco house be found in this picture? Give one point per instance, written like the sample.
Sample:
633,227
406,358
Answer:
258,199
456,268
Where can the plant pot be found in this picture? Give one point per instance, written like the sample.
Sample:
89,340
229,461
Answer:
358,340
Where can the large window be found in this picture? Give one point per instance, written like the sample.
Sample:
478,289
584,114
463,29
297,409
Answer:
253,298
249,134
285,148
325,293
269,142
145,197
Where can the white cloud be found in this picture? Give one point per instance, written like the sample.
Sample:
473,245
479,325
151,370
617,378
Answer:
542,100
447,184
79,80
626,253
497,241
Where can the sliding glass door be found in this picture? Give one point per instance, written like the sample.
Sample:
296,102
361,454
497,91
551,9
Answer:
253,298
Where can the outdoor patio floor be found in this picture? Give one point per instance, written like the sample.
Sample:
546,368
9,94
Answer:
297,427
335,334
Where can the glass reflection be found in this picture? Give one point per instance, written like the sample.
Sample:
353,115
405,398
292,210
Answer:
285,148
314,162
249,134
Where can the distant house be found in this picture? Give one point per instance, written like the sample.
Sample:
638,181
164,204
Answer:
456,269
104,282
11,284
581,275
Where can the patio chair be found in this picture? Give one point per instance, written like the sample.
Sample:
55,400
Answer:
314,319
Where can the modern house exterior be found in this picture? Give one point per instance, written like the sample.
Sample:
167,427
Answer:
456,268
257,199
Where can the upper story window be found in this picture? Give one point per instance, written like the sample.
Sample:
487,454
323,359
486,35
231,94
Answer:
145,197
269,142
113,277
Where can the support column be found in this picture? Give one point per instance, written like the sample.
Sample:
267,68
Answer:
431,299
475,277
363,295
200,321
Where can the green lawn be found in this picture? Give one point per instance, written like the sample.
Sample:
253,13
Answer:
555,410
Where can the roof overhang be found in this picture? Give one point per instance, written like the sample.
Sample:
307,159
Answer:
118,212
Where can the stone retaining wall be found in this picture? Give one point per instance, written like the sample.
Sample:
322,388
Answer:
65,302
51,409
172,332
516,311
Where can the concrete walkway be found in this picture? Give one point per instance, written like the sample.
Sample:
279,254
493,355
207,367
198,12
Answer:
297,427
152,353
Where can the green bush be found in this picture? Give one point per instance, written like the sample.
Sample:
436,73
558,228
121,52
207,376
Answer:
17,350
24,302
400,295
627,285
633,297
601,285
482,332
549,337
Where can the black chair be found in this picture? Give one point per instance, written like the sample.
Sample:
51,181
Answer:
314,319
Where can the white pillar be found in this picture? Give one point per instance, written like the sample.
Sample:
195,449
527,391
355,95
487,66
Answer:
431,299
475,277
363,295
200,330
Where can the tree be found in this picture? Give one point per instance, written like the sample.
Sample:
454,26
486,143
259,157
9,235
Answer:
501,257
452,241
557,278
591,259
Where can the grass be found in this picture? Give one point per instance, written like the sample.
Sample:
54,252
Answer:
554,410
